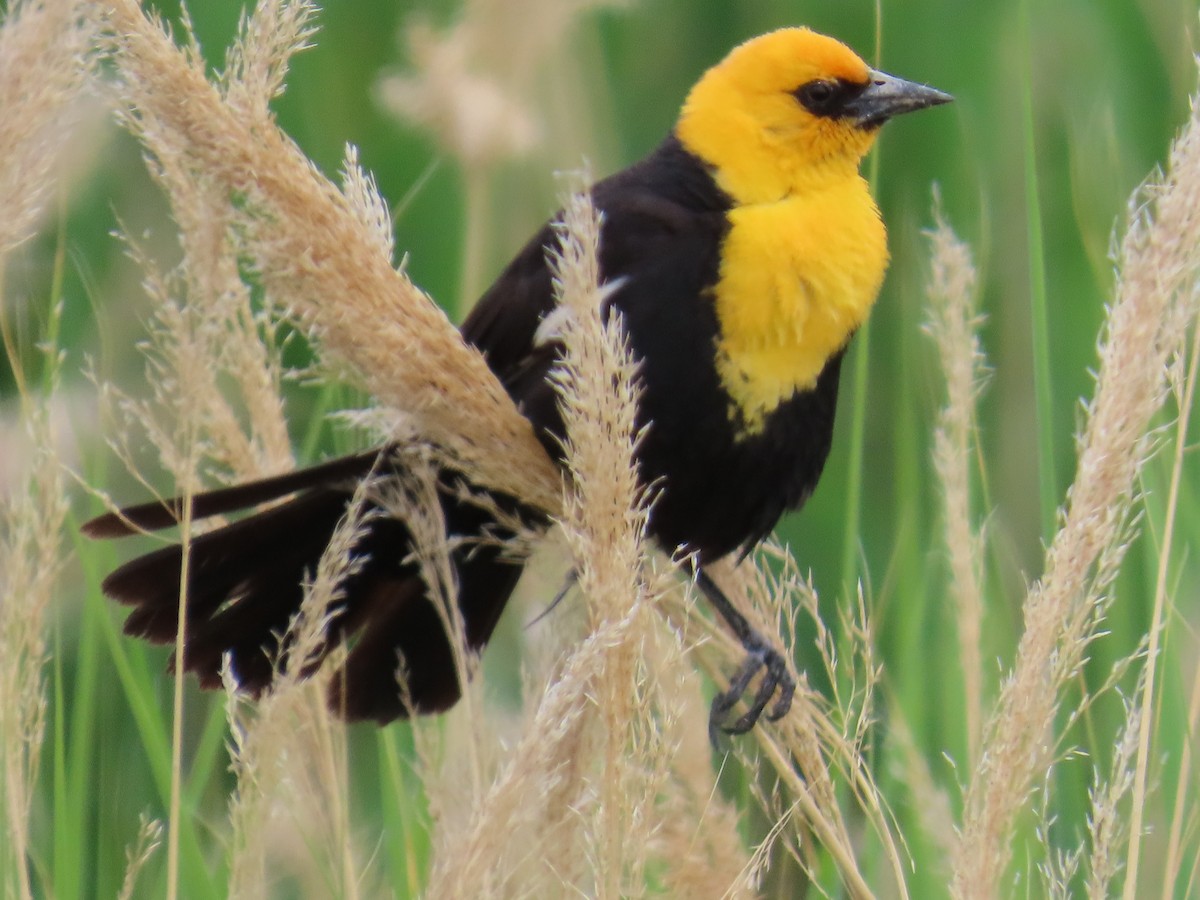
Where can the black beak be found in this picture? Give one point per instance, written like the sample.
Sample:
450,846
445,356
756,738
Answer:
888,96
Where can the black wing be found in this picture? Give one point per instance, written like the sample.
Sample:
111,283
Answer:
246,579
663,221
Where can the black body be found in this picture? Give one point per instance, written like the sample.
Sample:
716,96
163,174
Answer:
718,492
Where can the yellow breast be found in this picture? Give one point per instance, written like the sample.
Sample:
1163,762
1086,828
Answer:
797,277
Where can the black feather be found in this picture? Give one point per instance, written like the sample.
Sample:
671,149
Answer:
664,221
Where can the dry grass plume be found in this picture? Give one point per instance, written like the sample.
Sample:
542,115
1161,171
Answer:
954,325
1155,305
46,57
308,242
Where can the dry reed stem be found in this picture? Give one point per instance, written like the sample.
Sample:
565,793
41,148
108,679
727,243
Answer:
1158,260
1185,396
954,325
289,757
459,753
604,520
815,741
318,255
45,61
206,335
697,832
1179,829
1107,828
203,336
30,559
415,500
203,331
148,840
189,440
572,805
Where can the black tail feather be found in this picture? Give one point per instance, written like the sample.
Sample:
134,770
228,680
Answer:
246,584
160,514
285,537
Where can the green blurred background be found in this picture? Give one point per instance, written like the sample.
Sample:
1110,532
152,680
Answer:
1062,109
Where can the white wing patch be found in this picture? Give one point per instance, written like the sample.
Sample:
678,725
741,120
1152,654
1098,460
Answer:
556,322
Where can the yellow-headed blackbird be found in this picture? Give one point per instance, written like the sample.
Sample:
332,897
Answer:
746,249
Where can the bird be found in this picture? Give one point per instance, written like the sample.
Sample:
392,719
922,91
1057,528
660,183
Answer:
742,254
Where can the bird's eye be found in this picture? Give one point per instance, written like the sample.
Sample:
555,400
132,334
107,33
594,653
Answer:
819,97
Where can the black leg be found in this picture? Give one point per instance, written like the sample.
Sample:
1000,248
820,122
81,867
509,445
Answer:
759,655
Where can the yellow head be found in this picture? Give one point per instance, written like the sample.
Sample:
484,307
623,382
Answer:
788,110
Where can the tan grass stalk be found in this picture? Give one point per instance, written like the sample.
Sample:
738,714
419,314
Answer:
1158,260
415,500
817,746
1183,804
1185,395
582,801
954,325
45,60
44,64
1107,828
30,560
206,337
570,808
189,441
604,521
459,751
202,331
149,838
318,254
696,836
289,757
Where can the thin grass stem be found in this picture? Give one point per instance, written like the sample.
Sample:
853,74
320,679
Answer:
1156,637
1043,386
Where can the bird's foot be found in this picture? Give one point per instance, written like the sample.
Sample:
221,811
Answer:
777,680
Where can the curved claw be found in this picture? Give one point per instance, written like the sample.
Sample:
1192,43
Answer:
776,680
787,688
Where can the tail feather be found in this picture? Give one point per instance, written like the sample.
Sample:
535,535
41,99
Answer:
250,620
160,514
246,584
396,625
403,632
285,537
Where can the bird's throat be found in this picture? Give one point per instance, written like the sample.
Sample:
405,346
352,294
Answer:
798,277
